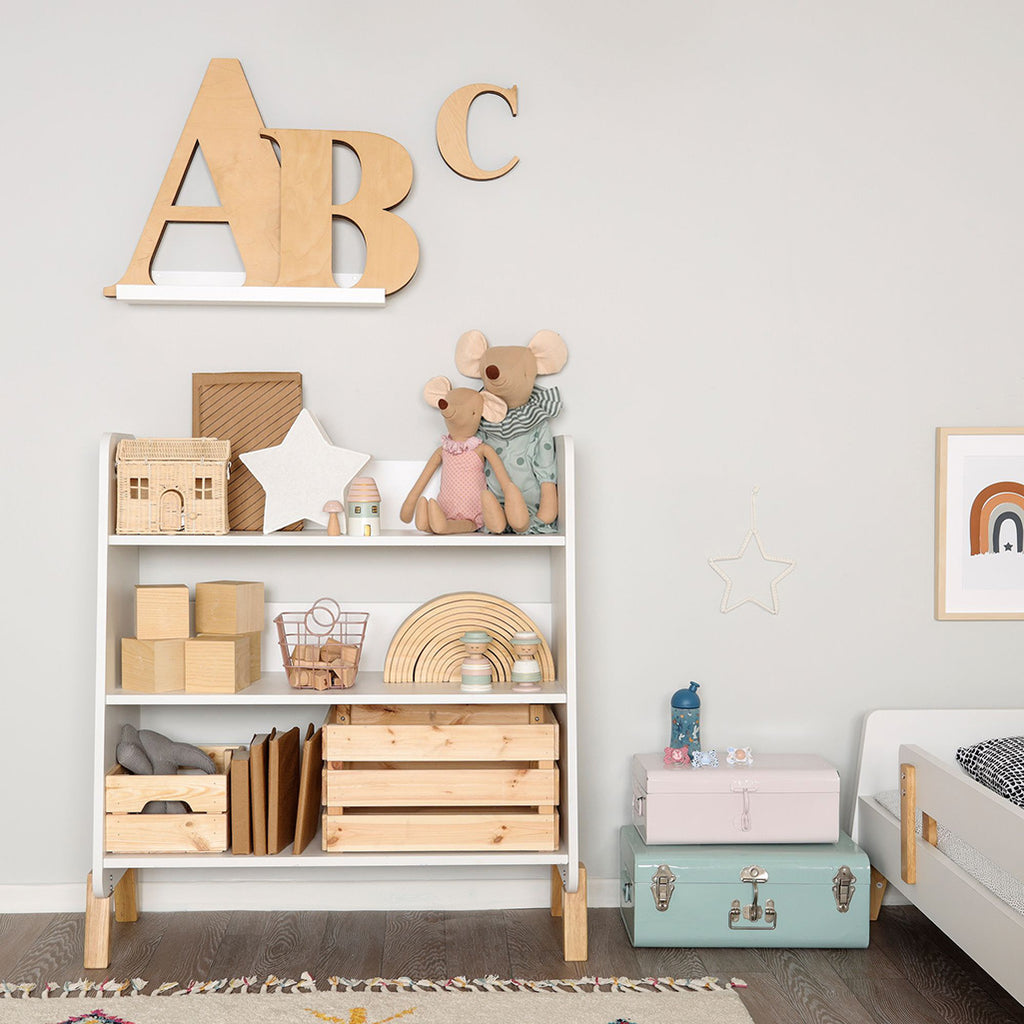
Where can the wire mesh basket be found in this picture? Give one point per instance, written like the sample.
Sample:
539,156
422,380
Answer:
321,647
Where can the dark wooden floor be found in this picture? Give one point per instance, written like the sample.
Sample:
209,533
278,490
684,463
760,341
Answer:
910,974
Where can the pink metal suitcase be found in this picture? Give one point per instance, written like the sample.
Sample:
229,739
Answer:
780,798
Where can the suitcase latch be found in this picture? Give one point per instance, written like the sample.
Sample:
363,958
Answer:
753,911
843,888
663,884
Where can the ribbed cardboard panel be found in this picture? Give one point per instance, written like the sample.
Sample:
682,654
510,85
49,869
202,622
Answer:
252,411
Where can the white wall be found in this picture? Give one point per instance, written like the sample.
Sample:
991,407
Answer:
782,241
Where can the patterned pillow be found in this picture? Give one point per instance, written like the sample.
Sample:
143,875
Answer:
997,764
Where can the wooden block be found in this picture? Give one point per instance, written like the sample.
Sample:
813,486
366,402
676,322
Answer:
161,612
152,666
229,607
216,664
255,640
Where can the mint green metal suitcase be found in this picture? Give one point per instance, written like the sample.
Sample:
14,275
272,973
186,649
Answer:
800,894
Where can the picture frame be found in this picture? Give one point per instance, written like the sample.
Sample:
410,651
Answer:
979,535
252,411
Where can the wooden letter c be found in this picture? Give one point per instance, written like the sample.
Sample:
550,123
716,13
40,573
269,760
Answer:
452,137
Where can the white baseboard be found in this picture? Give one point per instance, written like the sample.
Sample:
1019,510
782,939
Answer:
173,892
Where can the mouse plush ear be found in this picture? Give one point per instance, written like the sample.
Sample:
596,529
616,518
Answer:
550,351
436,388
469,353
495,409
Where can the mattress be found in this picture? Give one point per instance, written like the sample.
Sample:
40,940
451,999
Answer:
999,882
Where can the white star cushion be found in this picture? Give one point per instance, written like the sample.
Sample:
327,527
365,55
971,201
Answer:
302,473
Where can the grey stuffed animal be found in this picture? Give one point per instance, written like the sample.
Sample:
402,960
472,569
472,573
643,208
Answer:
144,752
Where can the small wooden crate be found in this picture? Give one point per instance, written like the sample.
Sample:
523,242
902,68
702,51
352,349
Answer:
440,777
205,830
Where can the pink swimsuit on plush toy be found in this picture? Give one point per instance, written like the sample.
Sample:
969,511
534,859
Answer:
462,480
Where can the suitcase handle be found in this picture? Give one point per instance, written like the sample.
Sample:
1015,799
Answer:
753,911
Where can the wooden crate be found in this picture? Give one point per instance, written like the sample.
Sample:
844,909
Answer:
440,777
205,830
441,732
428,830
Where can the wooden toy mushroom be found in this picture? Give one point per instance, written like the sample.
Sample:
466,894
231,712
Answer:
332,508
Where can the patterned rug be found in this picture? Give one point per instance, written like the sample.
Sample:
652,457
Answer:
376,1001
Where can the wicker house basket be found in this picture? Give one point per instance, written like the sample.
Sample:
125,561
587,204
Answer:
172,485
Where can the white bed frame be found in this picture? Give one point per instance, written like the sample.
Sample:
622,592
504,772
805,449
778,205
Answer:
982,925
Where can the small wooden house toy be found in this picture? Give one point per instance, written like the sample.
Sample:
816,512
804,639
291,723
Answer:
362,510
172,485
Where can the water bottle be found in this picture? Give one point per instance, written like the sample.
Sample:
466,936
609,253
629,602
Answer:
686,719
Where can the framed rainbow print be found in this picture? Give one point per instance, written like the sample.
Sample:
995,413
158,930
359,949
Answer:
979,536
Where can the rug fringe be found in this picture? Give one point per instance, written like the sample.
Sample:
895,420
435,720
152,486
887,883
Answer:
112,989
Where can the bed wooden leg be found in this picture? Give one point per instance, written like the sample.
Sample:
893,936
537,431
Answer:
908,823
879,883
929,829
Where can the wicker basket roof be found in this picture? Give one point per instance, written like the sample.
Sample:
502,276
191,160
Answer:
173,449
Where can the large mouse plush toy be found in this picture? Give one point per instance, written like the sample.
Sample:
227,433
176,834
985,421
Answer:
464,503
523,438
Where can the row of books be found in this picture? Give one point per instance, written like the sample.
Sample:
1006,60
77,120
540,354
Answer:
275,788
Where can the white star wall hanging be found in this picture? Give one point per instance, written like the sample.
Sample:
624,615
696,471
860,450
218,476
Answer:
757,573
302,473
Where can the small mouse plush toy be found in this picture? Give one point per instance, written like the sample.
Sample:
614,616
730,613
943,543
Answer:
522,439
144,752
464,504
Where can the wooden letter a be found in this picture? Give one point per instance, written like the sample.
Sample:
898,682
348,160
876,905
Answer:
225,124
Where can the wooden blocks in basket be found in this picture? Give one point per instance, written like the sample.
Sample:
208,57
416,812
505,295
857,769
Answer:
205,830
440,777
320,647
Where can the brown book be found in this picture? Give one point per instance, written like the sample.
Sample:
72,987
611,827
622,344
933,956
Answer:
241,818
307,818
258,789
282,789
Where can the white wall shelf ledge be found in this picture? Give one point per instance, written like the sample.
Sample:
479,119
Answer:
228,288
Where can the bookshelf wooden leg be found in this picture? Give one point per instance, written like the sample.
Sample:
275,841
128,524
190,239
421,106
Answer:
574,921
556,891
126,900
97,928
879,883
